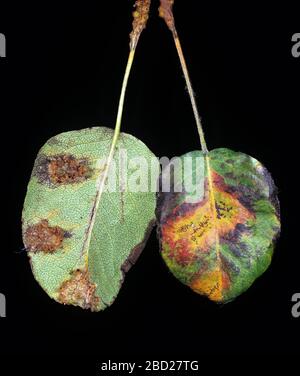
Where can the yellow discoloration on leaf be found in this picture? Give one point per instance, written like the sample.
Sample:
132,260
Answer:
200,228
211,284
53,213
219,245
203,224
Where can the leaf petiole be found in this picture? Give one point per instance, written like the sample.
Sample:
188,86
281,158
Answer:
166,12
140,15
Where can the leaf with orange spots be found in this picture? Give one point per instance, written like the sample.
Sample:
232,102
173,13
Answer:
218,232
75,260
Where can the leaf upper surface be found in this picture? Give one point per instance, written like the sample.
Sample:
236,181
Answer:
219,245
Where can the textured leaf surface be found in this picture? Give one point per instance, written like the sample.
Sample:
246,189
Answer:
219,245
57,212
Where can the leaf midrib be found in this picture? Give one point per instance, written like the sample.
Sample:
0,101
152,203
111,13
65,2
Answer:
212,201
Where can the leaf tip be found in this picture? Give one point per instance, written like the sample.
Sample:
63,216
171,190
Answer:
80,291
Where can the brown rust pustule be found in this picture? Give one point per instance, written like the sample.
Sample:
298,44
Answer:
66,169
80,291
42,237
61,169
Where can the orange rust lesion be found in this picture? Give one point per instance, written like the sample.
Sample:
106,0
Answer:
78,290
41,237
66,169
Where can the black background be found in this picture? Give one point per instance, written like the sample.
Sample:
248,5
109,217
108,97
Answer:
63,71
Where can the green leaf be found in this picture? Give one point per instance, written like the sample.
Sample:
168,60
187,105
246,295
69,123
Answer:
221,242
77,261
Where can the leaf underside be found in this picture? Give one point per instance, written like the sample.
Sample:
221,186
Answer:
220,244
57,214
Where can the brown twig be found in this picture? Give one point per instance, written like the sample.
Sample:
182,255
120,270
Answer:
166,12
140,18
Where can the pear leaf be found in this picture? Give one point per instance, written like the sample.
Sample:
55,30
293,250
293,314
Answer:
218,239
75,260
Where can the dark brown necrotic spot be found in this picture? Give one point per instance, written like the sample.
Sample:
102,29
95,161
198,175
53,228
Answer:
80,291
61,169
42,237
